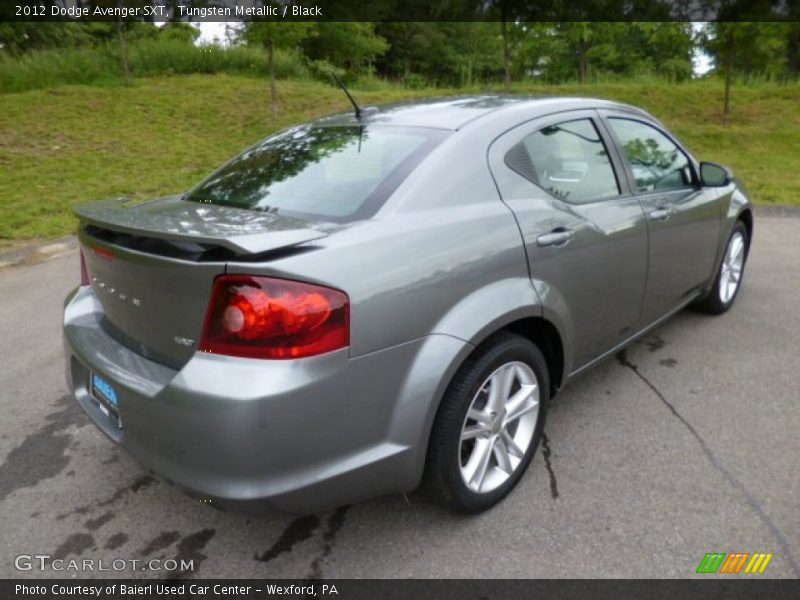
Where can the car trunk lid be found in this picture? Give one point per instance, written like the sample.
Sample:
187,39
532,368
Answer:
152,265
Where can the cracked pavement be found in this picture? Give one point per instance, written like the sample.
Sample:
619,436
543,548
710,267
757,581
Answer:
685,444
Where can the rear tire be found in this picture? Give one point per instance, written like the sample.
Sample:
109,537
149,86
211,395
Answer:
488,425
728,280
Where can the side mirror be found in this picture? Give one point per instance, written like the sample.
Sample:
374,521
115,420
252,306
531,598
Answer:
714,175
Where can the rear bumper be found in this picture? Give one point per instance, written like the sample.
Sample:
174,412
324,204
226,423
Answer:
300,435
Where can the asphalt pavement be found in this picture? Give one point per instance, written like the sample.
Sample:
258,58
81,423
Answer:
686,443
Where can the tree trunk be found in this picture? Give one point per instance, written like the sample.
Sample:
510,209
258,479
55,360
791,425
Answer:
123,51
506,55
583,63
726,111
793,46
272,89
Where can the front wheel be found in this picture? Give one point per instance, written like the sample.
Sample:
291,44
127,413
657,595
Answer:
729,277
489,424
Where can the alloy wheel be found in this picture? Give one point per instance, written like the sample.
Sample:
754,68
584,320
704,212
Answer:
732,266
499,427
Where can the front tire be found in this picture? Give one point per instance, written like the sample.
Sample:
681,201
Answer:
488,425
729,276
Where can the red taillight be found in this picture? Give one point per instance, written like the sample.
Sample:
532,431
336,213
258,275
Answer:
84,270
261,317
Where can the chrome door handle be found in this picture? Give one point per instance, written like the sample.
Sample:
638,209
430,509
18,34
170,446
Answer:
660,214
557,237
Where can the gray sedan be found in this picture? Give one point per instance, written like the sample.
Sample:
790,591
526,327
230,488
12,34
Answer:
371,302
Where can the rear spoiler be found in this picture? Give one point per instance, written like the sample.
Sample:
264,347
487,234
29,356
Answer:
175,220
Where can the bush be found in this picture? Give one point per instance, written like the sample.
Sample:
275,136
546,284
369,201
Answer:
147,57
51,68
414,81
321,71
169,56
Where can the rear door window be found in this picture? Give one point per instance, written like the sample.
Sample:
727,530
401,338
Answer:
330,173
568,159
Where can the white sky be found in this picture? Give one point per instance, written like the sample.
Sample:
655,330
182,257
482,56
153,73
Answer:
702,63
212,32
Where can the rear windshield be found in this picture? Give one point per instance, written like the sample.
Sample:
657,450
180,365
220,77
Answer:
328,173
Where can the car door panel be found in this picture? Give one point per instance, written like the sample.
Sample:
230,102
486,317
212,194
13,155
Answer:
587,259
683,220
683,246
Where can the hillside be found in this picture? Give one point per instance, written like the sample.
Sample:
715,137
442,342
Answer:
65,145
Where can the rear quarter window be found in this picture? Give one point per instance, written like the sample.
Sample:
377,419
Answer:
568,159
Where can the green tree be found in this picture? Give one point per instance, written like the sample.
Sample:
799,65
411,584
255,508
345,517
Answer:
739,45
581,40
19,37
460,53
648,48
352,46
507,13
176,30
793,46
745,48
272,35
406,40
564,51
541,53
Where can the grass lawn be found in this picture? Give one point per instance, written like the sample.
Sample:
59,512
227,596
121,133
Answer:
159,136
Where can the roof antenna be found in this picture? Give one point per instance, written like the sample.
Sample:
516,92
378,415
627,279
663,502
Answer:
359,111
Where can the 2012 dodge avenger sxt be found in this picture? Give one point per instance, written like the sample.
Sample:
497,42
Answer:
369,302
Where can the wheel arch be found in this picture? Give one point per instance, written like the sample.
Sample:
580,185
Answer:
746,217
513,306
537,329
545,335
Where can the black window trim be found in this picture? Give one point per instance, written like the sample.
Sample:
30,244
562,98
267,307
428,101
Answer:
608,114
618,167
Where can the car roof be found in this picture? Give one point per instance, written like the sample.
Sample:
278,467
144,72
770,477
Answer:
457,112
